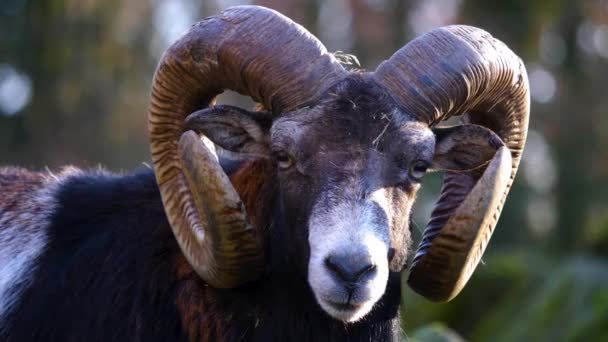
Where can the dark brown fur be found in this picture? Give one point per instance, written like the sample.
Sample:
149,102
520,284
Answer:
196,301
17,184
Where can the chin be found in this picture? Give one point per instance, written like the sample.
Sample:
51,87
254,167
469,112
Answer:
345,306
348,313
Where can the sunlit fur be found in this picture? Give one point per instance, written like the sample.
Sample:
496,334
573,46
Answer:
27,202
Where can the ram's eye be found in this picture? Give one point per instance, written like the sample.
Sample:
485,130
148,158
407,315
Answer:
284,160
418,169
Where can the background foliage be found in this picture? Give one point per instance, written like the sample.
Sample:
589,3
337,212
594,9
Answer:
74,84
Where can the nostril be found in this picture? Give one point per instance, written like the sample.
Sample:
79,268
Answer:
348,268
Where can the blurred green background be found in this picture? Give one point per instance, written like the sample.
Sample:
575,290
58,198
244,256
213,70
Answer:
74,83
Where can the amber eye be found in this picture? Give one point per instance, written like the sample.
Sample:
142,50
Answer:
284,160
418,169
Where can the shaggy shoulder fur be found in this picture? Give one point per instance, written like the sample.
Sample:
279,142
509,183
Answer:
101,264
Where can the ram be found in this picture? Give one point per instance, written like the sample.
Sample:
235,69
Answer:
300,229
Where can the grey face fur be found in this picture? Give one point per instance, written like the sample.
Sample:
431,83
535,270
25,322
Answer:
359,221
353,156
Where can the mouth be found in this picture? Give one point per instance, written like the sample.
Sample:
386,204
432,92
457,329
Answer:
346,311
348,266
345,306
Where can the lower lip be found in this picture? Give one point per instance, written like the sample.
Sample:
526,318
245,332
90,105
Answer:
344,306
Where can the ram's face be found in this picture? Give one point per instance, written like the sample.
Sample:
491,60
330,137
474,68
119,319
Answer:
349,171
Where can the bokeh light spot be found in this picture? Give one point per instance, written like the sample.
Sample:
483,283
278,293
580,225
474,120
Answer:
429,14
15,90
538,164
335,25
174,17
542,85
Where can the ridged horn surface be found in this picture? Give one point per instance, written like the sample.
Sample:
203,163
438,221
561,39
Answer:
461,70
256,52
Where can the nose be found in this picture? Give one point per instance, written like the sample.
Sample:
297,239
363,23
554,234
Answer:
350,268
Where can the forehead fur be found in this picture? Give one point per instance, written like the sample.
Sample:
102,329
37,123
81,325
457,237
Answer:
361,108
357,113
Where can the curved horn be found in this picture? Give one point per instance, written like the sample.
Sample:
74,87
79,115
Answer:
254,51
461,70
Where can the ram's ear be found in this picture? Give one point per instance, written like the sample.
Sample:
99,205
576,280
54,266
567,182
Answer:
236,131
464,147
